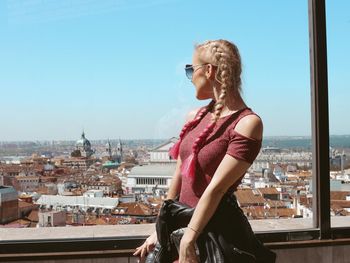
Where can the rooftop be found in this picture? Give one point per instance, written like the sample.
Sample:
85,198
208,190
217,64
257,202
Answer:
154,170
247,197
268,191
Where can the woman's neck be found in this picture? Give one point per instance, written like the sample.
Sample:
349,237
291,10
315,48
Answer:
232,104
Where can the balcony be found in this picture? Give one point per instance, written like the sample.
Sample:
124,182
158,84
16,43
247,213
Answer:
116,243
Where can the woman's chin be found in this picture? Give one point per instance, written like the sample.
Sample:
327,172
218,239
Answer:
202,97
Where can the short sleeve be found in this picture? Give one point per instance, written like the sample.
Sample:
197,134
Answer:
243,148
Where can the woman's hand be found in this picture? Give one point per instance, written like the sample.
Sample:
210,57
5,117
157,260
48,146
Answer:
146,247
187,252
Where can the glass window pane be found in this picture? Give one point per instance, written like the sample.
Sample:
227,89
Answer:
90,89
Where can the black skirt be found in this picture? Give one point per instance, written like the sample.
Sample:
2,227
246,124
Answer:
228,236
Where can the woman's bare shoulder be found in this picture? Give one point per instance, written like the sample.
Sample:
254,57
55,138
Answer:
250,126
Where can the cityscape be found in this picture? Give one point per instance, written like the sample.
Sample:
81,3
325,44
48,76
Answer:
95,93
113,182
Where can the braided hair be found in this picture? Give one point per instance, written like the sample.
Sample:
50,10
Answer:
224,56
174,151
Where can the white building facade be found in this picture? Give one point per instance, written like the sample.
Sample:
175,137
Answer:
156,176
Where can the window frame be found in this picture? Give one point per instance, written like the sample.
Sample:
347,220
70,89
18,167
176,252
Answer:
320,117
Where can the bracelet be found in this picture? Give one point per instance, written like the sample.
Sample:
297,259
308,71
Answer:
194,230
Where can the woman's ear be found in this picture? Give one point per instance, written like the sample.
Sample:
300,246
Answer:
210,71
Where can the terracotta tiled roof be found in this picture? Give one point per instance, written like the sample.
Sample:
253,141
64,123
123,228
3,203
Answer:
259,212
339,195
99,184
134,208
154,200
75,159
246,197
340,203
93,220
19,223
254,212
274,204
20,177
14,168
268,191
33,216
305,201
45,179
101,221
339,207
33,224
22,204
283,212
293,183
304,174
120,220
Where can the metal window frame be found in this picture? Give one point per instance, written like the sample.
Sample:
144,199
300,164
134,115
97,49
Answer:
320,150
320,117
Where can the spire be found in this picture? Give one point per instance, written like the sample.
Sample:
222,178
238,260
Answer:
119,145
109,148
119,151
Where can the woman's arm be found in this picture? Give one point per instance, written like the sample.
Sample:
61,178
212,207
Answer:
228,172
173,192
175,185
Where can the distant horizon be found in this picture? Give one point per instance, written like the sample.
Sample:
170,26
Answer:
159,139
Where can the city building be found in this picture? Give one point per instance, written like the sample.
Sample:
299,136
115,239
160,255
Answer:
151,178
28,183
160,154
52,218
112,159
84,147
8,204
154,177
81,163
70,203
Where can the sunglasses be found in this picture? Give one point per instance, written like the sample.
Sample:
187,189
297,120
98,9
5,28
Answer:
190,69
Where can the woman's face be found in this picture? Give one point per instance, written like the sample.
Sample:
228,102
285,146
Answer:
200,79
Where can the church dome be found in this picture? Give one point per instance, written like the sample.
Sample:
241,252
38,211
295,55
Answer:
83,142
84,145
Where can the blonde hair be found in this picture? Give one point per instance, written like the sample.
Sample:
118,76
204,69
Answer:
224,55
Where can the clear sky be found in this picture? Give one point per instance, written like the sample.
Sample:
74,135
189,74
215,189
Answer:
115,68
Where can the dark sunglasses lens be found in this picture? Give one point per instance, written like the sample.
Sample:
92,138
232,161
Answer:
189,71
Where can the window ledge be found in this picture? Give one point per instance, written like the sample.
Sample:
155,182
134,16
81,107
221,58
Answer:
143,230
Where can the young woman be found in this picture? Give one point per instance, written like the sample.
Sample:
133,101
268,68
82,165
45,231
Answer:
217,145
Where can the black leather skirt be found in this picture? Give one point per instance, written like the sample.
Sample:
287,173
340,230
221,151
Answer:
228,237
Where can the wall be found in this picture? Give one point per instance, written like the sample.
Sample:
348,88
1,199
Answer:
327,254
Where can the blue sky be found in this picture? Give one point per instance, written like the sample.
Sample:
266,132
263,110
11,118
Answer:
115,68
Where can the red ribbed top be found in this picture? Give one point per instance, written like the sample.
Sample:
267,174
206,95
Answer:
223,140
